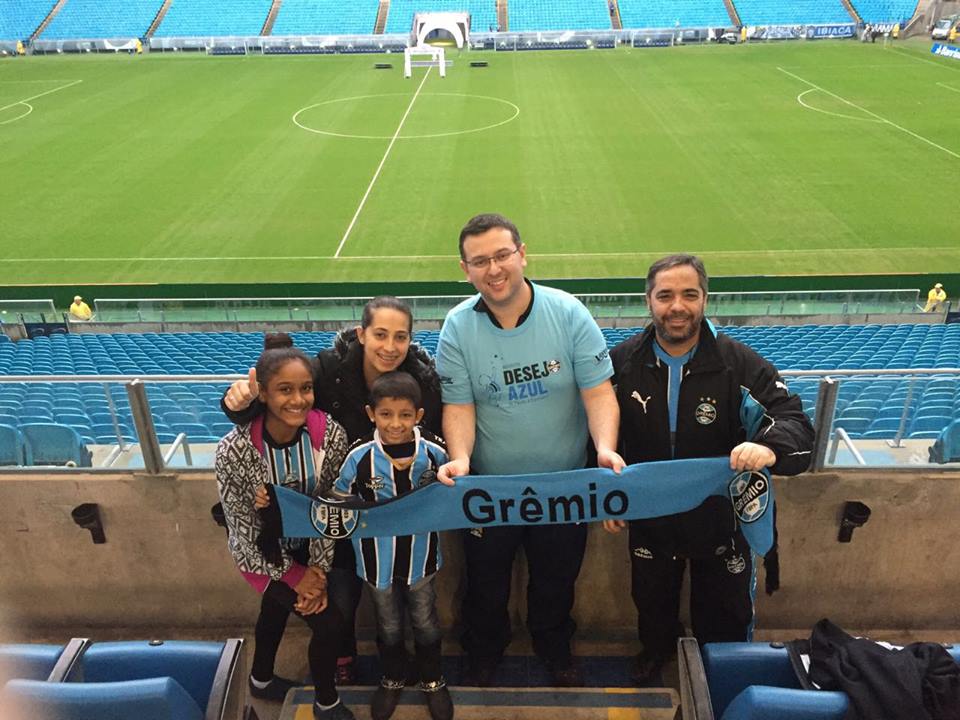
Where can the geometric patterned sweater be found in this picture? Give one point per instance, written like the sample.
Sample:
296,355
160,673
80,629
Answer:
240,469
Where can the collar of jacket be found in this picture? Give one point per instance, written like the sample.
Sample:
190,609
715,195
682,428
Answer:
706,359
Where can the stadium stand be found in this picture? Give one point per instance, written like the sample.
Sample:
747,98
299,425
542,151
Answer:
191,18
98,19
19,20
867,407
798,12
483,13
527,15
321,17
667,13
885,11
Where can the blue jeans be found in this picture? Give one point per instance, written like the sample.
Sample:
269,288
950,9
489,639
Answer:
420,598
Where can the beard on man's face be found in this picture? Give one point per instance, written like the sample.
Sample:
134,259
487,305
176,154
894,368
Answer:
678,334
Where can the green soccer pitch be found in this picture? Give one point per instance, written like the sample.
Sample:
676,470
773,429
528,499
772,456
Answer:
774,159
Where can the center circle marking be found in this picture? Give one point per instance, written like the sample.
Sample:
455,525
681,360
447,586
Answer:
296,116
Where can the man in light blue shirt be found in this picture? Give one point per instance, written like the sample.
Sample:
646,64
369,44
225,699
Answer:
525,375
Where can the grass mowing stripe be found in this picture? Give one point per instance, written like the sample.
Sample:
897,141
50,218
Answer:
386,154
616,158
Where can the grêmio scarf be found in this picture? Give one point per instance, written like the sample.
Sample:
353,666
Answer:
641,491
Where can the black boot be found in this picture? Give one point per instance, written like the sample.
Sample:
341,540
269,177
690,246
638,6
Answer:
393,659
439,702
434,687
385,699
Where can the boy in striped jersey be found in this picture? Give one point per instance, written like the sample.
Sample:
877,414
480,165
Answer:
400,571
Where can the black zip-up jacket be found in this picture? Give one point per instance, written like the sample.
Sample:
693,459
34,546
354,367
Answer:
341,390
729,394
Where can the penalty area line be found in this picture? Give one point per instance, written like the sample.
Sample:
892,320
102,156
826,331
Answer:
872,114
39,95
383,160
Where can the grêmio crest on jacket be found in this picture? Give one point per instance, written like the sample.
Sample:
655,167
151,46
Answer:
332,520
750,495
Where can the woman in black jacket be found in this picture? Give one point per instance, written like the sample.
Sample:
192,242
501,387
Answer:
342,376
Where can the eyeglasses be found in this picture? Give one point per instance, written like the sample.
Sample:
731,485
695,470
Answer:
499,258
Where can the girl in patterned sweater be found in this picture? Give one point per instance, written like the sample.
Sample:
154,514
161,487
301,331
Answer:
294,445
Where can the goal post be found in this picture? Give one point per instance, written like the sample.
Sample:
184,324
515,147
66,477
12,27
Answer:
436,57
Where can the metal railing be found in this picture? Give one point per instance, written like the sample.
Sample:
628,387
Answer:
433,307
830,433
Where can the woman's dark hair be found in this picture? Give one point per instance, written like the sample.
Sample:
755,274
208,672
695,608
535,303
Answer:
389,302
396,384
278,350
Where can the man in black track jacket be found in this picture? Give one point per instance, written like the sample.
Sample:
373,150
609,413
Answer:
687,391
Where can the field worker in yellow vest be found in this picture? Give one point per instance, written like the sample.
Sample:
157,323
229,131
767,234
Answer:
80,310
20,49
935,298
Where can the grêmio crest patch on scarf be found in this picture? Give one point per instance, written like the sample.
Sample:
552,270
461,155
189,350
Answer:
641,491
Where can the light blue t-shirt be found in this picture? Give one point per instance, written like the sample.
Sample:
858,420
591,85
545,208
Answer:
524,382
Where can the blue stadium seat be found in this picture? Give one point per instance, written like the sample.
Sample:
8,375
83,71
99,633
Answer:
854,425
173,680
36,661
211,418
755,681
14,449
56,445
221,428
949,440
765,703
26,419
731,668
176,418
926,423
159,698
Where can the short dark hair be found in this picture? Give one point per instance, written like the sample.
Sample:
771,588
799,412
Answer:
278,350
479,224
672,261
396,384
385,301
